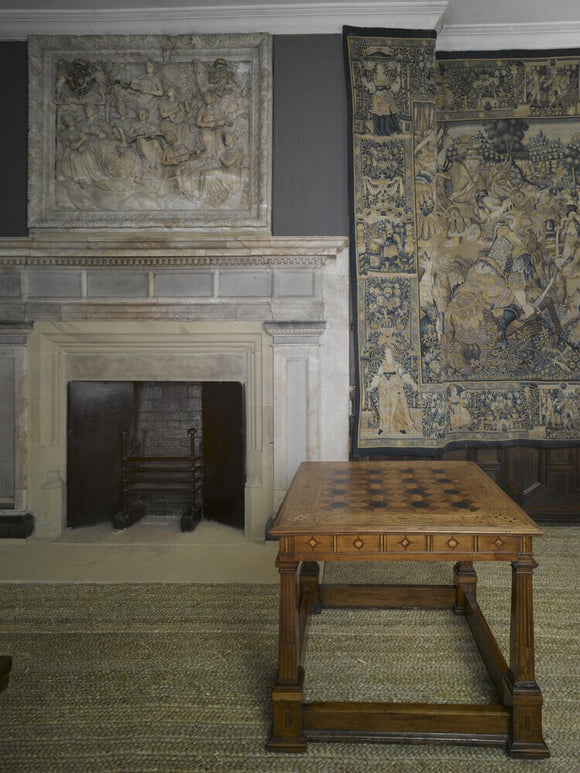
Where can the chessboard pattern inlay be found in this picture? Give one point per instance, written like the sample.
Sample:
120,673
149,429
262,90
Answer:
409,496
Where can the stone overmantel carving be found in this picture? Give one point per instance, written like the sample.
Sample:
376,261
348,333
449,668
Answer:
150,131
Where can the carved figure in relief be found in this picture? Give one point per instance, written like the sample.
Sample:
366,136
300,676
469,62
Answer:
79,144
218,185
69,153
221,77
150,84
101,81
78,76
173,112
102,157
60,80
147,137
233,155
175,157
211,119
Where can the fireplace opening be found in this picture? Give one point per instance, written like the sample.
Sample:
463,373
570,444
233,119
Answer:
170,449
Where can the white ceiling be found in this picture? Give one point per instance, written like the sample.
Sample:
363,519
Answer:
461,24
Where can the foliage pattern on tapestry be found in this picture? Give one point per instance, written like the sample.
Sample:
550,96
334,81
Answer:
465,242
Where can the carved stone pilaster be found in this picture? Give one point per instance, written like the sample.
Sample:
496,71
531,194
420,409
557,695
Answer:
297,387
14,451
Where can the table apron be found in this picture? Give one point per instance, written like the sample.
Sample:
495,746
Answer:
401,546
302,555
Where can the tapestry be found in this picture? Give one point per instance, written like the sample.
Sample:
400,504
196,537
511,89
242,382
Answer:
465,243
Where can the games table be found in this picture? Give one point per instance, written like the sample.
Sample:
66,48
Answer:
405,511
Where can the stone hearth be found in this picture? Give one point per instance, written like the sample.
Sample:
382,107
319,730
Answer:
271,313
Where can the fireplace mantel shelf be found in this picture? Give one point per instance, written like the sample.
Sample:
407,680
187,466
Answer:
159,248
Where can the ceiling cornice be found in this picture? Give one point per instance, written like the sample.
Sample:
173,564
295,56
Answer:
291,18
496,37
276,18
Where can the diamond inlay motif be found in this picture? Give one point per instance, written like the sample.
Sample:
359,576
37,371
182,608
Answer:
358,543
498,542
313,542
405,542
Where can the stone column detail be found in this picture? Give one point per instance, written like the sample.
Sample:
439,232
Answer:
297,389
13,391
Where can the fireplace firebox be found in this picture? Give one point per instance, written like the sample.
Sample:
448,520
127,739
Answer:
169,449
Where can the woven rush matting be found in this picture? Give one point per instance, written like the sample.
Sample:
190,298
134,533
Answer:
178,677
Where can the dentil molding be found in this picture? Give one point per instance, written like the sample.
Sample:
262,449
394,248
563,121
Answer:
166,250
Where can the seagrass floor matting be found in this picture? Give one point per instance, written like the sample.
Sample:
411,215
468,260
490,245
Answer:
178,677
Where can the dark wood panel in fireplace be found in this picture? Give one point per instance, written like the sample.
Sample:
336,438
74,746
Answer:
97,413
224,452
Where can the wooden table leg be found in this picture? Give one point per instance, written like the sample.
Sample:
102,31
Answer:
522,691
287,731
465,580
309,583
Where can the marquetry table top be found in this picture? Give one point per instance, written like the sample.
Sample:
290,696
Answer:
409,496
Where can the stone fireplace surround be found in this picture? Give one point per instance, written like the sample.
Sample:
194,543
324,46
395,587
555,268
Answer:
269,312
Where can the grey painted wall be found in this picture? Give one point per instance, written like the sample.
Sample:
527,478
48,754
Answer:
13,139
310,196
309,189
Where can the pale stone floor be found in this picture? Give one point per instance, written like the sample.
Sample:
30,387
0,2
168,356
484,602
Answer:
152,550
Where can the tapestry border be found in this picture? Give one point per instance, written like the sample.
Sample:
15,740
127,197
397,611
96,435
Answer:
508,53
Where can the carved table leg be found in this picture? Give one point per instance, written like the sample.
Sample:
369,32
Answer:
287,732
465,580
309,583
522,691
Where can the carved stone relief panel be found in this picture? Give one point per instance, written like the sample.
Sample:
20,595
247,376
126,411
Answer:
150,132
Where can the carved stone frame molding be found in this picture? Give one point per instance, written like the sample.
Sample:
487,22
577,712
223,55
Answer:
150,132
